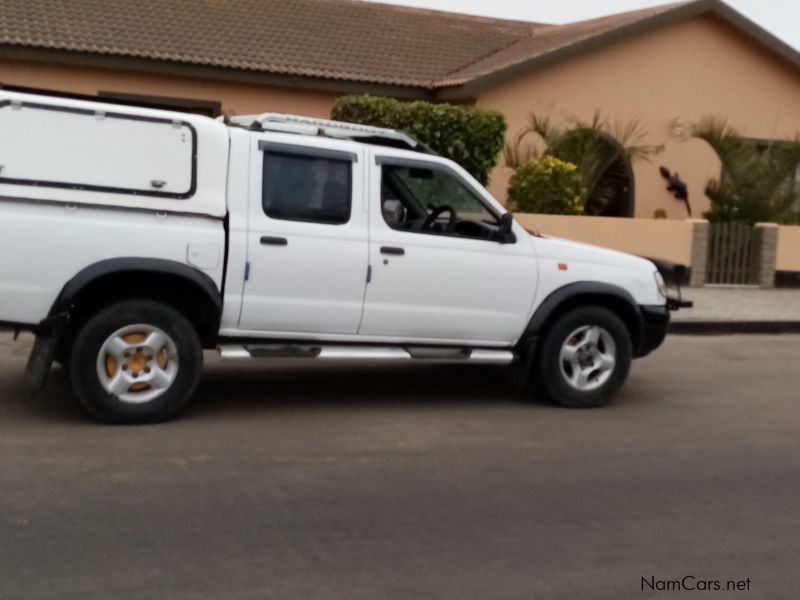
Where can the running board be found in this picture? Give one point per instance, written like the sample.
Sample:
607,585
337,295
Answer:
368,353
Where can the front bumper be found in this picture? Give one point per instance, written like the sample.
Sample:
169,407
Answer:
655,320
678,303
675,275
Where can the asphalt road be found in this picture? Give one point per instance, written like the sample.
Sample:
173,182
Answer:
372,483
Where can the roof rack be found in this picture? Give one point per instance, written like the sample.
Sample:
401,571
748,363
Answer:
287,123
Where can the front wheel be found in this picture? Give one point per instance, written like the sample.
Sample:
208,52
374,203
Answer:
135,361
584,358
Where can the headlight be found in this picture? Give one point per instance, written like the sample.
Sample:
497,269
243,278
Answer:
662,287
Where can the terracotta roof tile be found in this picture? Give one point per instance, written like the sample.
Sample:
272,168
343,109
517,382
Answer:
346,40
335,39
549,39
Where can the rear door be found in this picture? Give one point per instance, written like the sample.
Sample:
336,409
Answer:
307,237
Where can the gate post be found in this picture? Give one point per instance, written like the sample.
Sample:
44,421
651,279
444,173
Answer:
699,252
767,243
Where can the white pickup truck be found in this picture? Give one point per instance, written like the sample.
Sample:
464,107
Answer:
132,238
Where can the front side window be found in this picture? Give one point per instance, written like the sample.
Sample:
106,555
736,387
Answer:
298,187
434,201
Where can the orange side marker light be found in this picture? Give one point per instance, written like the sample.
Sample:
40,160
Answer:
563,266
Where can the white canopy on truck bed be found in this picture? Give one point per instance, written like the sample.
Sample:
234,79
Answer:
77,152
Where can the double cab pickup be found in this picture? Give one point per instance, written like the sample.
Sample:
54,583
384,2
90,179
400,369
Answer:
131,239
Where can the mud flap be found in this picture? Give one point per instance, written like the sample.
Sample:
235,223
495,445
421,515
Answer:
40,360
43,353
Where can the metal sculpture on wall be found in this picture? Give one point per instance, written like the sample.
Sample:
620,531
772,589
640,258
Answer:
677,187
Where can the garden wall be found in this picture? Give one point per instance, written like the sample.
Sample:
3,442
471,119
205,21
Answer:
657,238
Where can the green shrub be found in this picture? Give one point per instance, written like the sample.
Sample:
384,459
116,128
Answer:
546,185
471,137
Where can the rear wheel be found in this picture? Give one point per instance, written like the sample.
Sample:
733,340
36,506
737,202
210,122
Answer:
584,358
135,361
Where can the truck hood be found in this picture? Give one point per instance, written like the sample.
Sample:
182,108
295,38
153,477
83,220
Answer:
562,262
568,250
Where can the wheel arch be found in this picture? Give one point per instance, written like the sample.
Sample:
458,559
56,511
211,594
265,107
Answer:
185,288
614,298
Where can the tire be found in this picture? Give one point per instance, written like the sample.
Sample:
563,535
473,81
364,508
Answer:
584,358
135,361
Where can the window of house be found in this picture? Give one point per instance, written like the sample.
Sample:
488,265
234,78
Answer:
208,108
303,187
433,200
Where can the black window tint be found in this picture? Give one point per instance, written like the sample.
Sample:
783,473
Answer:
306,188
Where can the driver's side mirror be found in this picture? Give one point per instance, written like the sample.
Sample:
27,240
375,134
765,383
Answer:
504,233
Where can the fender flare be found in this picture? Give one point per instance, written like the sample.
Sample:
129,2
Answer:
95,271
586,291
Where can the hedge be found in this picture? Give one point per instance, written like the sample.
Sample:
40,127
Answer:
546,185
471,137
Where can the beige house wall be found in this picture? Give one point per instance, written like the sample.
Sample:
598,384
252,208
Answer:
669,76
236,98
656,238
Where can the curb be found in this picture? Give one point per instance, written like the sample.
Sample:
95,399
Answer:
732,327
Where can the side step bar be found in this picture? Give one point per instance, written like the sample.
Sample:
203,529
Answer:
367,353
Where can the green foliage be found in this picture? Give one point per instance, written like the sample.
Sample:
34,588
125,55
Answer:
471,137
602,152
546,185
757,185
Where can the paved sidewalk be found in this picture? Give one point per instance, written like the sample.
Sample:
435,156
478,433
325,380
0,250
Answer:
740,309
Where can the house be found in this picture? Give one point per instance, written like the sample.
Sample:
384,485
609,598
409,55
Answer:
666,67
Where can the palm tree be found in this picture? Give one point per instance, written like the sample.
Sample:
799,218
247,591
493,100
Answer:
602,151
758,180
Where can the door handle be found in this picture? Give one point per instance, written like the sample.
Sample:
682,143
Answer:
392,250
267,240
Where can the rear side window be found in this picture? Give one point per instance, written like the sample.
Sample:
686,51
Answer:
301,187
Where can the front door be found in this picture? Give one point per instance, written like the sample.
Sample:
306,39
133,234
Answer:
307,238
439,269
